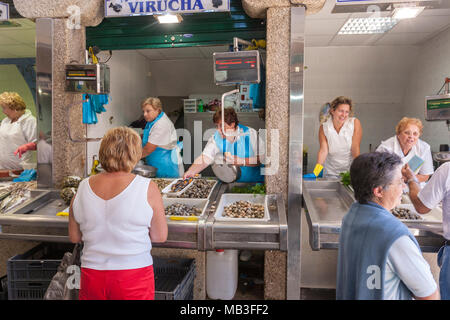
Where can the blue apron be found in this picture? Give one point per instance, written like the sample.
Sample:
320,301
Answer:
243,149
166,161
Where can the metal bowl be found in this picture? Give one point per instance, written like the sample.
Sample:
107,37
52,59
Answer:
227,173
145,171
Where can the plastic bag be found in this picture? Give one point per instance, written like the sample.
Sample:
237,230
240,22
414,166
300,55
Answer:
65,284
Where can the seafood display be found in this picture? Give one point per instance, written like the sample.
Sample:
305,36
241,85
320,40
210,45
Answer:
67,194
14,195
201,188
404,213
71,182
162,183
244,209
180,184
179,209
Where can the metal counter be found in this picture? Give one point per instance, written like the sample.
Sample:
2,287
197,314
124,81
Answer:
327,201
204,234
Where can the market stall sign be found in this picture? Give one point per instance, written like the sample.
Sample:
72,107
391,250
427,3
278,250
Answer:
437,107
4,11
120,8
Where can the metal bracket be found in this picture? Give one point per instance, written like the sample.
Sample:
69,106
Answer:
84,139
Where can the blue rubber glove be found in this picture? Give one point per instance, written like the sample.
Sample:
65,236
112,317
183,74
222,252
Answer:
309,176
26,175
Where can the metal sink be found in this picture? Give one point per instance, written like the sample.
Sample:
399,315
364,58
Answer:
42,203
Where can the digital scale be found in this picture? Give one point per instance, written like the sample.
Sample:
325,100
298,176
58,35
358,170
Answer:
87,78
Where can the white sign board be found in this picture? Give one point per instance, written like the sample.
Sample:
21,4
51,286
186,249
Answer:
4,11
120,8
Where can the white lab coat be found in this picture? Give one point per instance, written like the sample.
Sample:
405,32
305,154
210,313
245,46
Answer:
339,156
13,135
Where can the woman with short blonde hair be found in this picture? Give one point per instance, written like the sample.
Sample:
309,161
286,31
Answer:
18,132
117,215
160,142
120,150
406,144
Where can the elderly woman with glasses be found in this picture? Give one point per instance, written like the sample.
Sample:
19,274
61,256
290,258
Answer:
378,256
406,144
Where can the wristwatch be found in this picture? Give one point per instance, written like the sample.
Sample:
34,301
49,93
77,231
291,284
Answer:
414,178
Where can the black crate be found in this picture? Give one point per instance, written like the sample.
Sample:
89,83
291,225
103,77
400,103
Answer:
4,288
29,274
174,278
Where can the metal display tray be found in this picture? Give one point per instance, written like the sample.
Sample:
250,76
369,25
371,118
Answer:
198,203
180,196
229,198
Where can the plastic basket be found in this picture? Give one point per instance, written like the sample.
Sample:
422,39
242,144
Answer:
174,278
29,274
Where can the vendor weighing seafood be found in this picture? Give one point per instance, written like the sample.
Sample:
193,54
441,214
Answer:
159,141
239,149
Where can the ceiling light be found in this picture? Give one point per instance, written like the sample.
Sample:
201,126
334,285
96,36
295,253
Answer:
368,25
169,18
407,12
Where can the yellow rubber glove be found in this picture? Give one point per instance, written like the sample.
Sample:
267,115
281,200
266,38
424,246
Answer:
63,213
317,169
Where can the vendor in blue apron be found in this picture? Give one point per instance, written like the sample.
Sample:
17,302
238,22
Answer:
239,147
159,141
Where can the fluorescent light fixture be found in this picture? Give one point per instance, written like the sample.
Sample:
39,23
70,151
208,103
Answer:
406,12
368,25
169,18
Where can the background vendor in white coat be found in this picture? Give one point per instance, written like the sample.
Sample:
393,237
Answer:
406,144
17,132
159,141
340,137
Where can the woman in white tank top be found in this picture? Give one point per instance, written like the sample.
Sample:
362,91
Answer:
339,137
117,215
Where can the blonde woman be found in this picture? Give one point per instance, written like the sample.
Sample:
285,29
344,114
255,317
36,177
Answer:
18,132
118,215
340,137
159,141
406,144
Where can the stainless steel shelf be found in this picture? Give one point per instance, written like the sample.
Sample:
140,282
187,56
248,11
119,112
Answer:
204,234
327,201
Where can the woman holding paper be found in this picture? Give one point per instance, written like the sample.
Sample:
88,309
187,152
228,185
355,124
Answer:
407,145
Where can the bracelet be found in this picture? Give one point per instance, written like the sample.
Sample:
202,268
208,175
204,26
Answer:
413,179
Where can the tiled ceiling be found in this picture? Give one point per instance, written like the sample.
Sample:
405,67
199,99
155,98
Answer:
321,30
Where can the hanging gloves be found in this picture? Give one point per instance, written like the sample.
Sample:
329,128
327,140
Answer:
92,106
24,148
317,172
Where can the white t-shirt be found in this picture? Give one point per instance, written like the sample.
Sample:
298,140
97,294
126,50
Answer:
211,149
421,149
436,190
163,134
44,152
406,264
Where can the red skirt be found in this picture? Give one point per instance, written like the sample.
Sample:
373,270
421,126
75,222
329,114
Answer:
131,284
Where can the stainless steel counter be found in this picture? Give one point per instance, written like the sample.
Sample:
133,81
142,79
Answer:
204,234
327,201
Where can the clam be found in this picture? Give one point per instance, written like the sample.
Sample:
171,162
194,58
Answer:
179,209
244,209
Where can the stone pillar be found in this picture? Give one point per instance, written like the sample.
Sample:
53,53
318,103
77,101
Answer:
277,13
